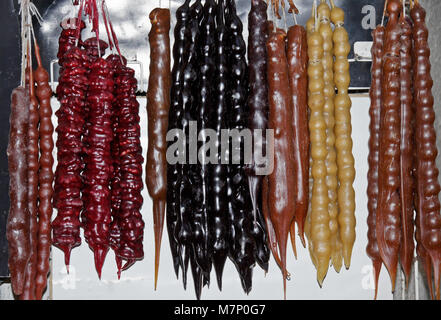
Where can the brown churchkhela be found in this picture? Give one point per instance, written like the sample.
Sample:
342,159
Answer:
17,225
406,148
343,128
281,181
427,205
45,176
388,225
297,56
32,150
272,239
158,104
374,149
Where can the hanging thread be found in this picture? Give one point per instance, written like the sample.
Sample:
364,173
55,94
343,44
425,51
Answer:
384,12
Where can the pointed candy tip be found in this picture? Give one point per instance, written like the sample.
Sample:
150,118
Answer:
246,278
66,250
156,276
128,264
393,275
118,261
347,264
321,275
377,268
219,264
337,264
302,240
99,257
337,268
436,278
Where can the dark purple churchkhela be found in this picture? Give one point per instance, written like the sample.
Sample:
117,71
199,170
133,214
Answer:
258,118
218,173
241,219
175,121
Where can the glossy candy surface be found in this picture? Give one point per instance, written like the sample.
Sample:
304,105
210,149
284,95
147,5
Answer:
181,51
325,29
33,155
190,192
243,245
17,225
342,130
428,218
281,182
218,223
96,216
45,178
375,94
388,224
406,148
158,105
258,118
297,55
319,231
71,92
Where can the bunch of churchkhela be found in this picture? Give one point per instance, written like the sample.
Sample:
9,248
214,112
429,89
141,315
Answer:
30,161
98,179
209,208
214,210
403,185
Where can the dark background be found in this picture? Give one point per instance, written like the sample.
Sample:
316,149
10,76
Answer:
10,71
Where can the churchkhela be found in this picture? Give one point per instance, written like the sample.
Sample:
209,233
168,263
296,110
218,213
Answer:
99,149
210,216
403,186
158,105
30,163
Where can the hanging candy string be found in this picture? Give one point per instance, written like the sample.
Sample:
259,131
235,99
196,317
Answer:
384,12
80,15
273,15
111,46
316,14
115,39
293,10
95,24
284,15
24,35
27,11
